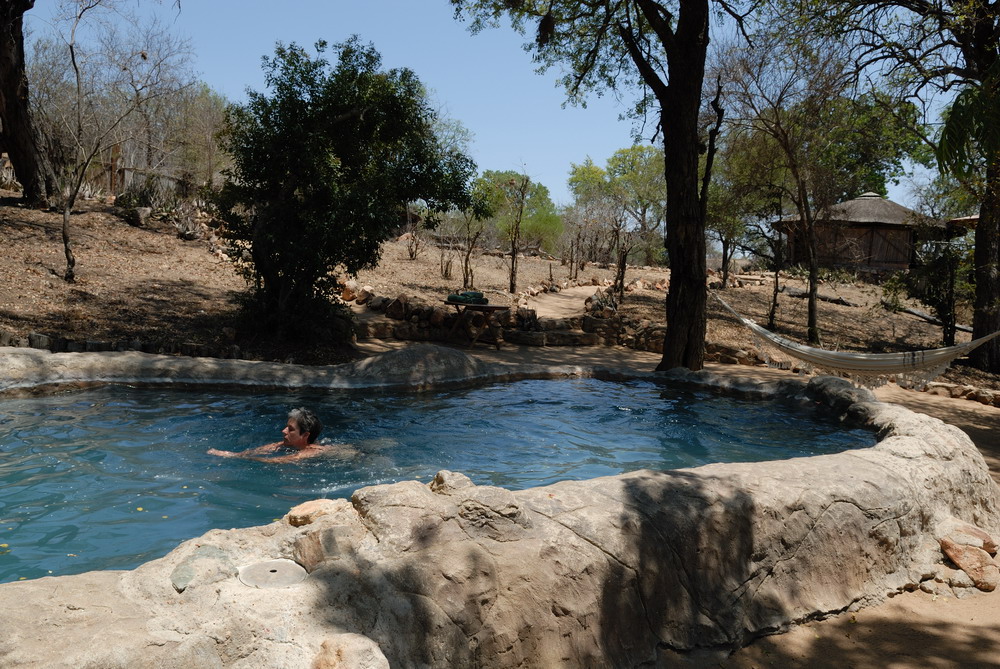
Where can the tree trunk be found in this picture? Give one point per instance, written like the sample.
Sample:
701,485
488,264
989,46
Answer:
20,139
986,318
684,344
947,316
772,312
513,259
621,267
468,282
812,319
727,252
70,275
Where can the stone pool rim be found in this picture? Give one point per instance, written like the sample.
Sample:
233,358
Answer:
625,569
26,372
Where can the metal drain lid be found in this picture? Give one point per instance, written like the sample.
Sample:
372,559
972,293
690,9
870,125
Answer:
272,574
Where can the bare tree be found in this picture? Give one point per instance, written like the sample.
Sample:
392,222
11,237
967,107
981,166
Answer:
114,67
517,196
778,90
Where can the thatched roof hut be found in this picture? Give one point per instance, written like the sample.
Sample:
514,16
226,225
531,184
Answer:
868,233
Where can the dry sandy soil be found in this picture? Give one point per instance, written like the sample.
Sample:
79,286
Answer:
150,285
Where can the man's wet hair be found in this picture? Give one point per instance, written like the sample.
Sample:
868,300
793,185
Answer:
307,422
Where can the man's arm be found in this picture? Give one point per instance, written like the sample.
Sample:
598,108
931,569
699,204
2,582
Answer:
292,457
248,454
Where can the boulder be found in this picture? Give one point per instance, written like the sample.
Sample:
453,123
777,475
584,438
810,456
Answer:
38,340
965,534
378,303
308,512
437,317
975,562
365,294
349,292
397,308
349,651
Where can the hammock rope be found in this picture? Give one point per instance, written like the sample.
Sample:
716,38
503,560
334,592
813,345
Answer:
870,369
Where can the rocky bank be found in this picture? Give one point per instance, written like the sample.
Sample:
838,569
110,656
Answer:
629,570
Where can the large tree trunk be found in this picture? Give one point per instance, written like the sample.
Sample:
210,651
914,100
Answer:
986,318
20,139
684,345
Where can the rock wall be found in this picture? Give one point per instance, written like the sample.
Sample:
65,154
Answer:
615,571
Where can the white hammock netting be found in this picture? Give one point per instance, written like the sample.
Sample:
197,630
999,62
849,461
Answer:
869,369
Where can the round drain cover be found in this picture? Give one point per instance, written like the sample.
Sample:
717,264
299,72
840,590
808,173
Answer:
272,574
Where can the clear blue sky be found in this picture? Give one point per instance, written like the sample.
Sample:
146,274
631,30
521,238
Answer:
485,81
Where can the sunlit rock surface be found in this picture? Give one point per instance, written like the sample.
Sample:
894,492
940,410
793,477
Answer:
615,571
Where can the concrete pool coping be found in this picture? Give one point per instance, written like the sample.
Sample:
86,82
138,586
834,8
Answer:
809,537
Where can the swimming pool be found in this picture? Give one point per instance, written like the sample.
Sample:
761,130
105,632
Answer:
111,478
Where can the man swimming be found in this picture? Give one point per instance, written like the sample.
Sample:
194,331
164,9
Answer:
299,436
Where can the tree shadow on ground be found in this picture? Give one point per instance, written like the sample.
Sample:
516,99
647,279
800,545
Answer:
169,310
862,641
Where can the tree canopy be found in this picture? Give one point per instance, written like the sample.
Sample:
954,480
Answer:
631,184
539,224
660,49
940,47
324,165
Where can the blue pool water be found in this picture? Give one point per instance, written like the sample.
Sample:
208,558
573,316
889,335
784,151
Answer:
111,478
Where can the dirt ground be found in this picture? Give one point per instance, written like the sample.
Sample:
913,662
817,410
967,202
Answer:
148,284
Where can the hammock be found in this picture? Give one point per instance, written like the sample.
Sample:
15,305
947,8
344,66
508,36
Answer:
870,369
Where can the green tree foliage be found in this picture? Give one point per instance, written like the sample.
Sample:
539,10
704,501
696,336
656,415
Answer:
540,223
746,203
197,123
660,48
523,214
619,209
596,214
794,102
601,218
972,127
463,229
636,177
484,201
324,165
942,277
940,47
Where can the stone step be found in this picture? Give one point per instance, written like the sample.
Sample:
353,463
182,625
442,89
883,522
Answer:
552,338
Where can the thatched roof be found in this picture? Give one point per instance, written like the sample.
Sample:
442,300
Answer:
872,209
875,209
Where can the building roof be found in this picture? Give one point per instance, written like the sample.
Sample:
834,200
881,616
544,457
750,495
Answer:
873,209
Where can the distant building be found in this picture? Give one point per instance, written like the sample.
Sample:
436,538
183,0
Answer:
868,233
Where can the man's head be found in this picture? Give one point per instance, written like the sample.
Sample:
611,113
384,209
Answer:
307,422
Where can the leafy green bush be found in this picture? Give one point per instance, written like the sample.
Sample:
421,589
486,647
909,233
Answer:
324,165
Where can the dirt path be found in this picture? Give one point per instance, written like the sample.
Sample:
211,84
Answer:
567,303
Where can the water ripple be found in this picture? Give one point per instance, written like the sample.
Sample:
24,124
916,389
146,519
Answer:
113,477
